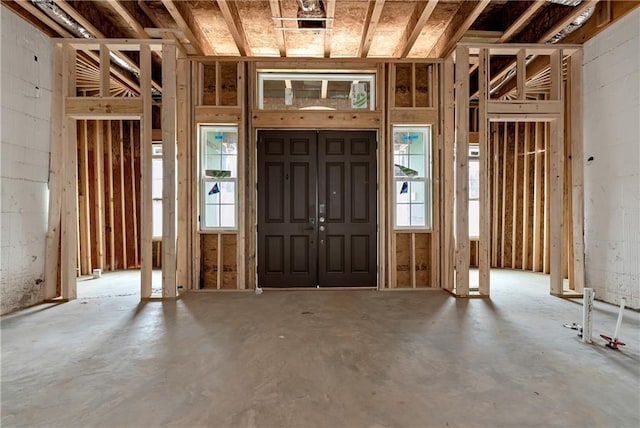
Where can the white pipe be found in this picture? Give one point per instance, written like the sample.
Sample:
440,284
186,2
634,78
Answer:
619,323
587,311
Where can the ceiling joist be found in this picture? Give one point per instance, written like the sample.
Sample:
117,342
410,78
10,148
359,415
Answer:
234,23
182,15
371,22
276,12
417,22
463,19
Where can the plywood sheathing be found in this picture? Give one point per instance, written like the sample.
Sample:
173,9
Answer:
440,18
259,27
394,19
208,17
299,43
160,14
349,25
422,260
403,260
209,262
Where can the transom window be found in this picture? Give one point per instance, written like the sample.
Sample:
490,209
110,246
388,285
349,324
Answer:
316,91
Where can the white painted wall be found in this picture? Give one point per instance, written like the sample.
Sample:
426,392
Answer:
612,178
24,166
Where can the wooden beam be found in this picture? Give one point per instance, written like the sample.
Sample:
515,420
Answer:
146,177
568,19
465,16
40,15
134,209
98,189
577,176
521,71
556,182
515,196
538,204
181,14
495,211
103,107
184,200
123,205
52,254
83,202
503,227
128,17
109,151
97,33
462,171
448,261
525,199
484,242
330,10
521,22
105,67
69,218
370,24
169,171
234,23
418,20
276,12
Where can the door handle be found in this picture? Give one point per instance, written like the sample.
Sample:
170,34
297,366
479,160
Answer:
311,225
321,228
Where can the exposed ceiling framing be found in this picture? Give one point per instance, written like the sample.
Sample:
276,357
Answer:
352,29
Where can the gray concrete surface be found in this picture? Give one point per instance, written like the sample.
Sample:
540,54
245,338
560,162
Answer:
318,359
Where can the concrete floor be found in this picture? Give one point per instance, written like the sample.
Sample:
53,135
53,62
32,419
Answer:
318,359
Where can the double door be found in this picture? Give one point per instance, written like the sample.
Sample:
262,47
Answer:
317,217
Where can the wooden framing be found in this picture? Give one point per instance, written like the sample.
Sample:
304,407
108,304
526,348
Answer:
544,113
446,247
64,215
169,260
462,172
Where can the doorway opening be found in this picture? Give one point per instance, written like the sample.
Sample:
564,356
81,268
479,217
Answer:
317,208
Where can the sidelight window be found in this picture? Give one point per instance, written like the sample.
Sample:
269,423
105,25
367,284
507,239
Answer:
412,176
219,176
474,192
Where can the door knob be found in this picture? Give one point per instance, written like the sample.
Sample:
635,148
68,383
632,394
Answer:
321,219
321,228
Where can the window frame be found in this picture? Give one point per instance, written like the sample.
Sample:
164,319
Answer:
203,128
156,154
427,130
474,156
364,76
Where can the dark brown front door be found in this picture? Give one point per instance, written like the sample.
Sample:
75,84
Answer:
317,209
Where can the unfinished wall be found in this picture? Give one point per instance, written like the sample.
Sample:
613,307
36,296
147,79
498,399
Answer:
26,104
612,161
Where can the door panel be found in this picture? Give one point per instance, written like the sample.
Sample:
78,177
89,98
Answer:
317,217
287,244
347,203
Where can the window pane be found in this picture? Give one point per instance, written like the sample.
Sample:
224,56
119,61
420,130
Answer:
227,192
227,216
211,192
416,140
157,219
417,215
416,191
474,218
402,215
416,163
474,179
211,215
229,163
402,192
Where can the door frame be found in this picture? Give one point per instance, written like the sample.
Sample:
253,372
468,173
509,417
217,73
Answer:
379,219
